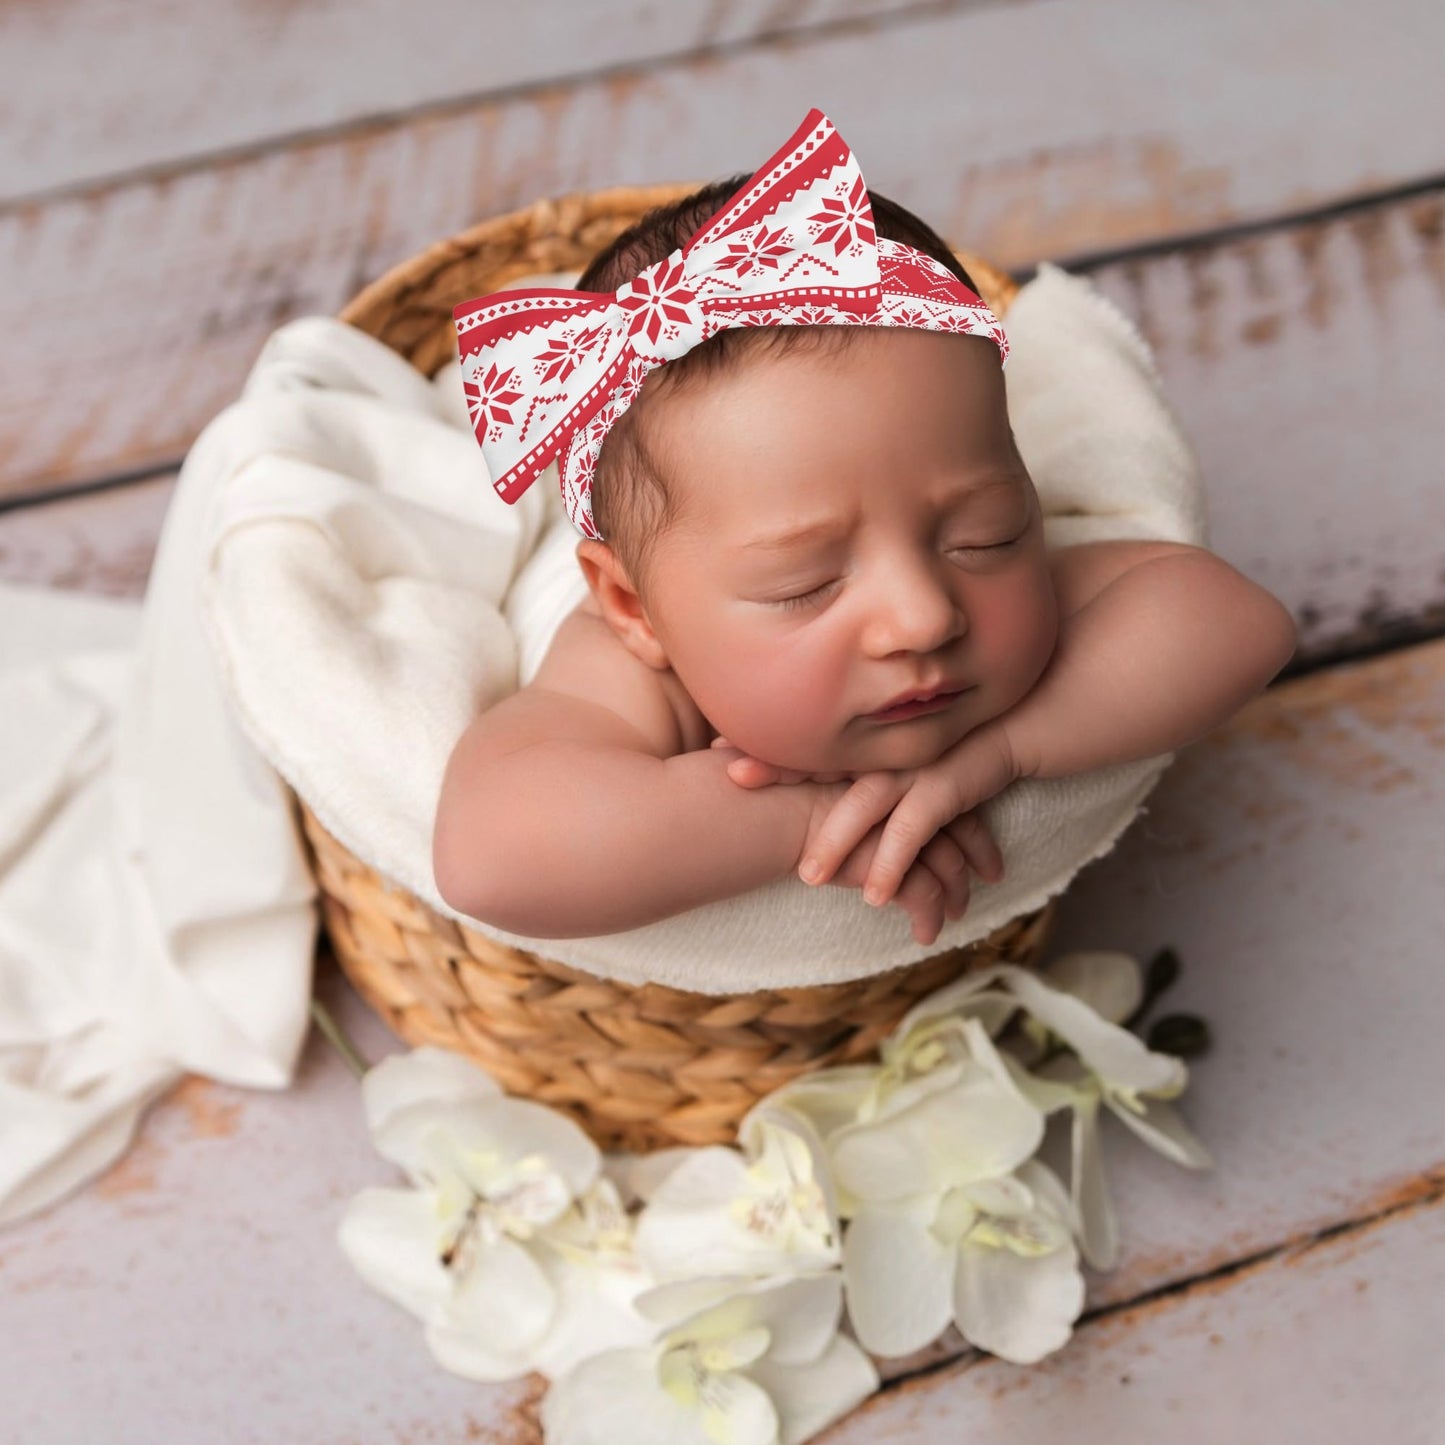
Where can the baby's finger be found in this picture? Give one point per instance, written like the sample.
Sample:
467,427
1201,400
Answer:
910,827
752,773
946,861
865,804
921,896
972,835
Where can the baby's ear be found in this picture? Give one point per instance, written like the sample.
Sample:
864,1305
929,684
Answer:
619,603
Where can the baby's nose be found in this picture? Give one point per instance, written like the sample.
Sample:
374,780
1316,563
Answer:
922,617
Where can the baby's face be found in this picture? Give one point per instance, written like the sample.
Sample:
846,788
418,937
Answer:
929,569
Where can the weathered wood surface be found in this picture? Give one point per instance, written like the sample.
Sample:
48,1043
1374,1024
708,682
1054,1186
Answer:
1304,362
100,541
133,309
111,87
1291,858
1332,1340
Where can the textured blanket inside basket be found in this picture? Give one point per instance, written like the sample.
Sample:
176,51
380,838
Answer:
368,593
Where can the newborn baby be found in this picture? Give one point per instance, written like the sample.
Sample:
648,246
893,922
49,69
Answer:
807,526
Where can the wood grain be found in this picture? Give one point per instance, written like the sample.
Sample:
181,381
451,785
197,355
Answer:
1329,1340
99,88
134,309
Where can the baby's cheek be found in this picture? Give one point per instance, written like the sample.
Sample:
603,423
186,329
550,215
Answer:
785,711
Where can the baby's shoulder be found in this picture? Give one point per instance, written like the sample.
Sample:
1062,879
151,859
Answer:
587,659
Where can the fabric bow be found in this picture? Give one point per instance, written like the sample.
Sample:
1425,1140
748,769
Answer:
547,372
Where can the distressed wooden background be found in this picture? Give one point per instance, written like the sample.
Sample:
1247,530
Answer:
1261,187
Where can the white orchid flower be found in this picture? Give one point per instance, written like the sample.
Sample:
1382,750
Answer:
767,1209
921,1059
948,1217
739,1362
995,1256
470,1250
943,1112
1113,1069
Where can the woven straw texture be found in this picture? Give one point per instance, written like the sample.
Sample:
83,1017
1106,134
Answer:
638,1067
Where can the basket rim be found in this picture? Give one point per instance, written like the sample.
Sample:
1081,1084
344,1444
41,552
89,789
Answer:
421,264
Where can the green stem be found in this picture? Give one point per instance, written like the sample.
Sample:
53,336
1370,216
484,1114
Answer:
335,1035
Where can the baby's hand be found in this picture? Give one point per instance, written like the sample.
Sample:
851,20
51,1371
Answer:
935,886
916,802
750,772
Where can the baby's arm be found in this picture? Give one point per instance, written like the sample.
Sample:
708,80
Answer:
1159,643
568,810
571,809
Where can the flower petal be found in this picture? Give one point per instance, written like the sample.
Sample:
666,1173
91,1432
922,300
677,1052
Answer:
1098,1230
391,1237
423,1075
501,1308
618,1396
828,1098
809,1398
1115,1054
594,1312
1049,1192
974,994
1111,983
974,1130
1048,1095
897,1276
1017,1307
501,1131
1161,1128
802,1314
738,1411
688,1226
767,1116
643,1173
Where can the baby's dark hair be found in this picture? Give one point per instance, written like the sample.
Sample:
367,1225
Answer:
632,503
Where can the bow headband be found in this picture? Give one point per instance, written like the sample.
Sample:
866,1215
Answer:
547,372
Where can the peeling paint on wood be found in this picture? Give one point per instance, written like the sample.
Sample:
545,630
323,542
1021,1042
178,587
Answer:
101,542
1328,1342
94,87
1304,364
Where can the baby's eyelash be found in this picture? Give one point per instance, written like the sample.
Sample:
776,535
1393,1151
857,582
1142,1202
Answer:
804,598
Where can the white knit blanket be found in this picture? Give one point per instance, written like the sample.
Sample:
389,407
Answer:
337,591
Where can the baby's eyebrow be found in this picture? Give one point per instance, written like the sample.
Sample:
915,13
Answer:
827,529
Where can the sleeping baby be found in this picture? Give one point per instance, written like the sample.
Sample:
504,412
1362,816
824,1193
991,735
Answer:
822,627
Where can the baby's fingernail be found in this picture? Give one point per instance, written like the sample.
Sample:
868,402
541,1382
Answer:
811,871
874,894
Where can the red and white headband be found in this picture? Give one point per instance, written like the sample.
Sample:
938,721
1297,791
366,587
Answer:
547,372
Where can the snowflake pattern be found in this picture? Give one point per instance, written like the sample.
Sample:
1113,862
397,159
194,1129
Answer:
756,251
796,246
846,221
565,352
491,395
662,309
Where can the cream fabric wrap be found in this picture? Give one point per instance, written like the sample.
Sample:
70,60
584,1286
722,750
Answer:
361,565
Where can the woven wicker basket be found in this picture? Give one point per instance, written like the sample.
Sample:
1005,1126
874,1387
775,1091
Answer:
638,1067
